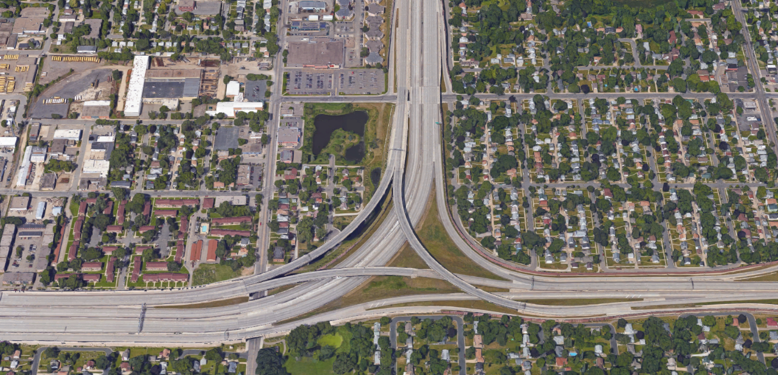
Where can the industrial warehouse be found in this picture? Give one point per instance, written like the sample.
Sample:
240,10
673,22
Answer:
163,82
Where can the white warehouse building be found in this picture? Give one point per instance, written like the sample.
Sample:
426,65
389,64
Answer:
97,167
69,134
8,143
134,102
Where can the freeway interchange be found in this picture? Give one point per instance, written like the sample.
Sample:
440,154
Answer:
414,165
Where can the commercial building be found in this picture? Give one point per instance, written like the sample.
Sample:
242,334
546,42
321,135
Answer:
69,134
8,144
24,167
233,89
235,200
288,136
97,167
96,109
230,108
186,5
90,50
199,8
172,84
6,243
29,26
309,6
100,151
19,204
319,53
48,181
38,154
7,38
41,211
133,104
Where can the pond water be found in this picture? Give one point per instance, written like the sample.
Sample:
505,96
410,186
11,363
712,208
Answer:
325,125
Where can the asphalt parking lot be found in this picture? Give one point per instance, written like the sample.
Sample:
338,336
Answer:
309,83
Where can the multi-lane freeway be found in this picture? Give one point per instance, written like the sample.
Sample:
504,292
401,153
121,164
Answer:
414,162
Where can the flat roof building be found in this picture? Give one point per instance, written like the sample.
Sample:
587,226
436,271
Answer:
316,53
312,6
29,25
230,108
20,203
48,181
69,134
24,167
8,143
87,49
134,100
236,200
95,109
97,167
288,136
233,89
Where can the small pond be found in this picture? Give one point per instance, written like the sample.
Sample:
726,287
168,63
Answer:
325,125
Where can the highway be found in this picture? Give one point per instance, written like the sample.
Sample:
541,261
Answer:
414,160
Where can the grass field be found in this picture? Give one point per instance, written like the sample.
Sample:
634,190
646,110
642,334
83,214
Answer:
578,302
211,273
434,237
766,277
381,287
407,258
309,365
333,340
474,304
219,303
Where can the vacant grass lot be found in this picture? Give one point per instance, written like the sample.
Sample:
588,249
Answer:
766,277
435,239
211,273
381,287
578,302
219,303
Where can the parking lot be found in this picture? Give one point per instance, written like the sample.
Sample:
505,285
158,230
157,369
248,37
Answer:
361,81
309,83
